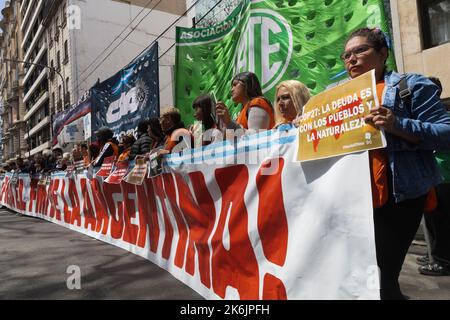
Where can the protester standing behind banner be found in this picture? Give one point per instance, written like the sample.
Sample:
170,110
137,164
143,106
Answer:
108,144
85,154
178,137
205,128
128,142
93,151
155,132
256,113
144,142
290,97
415,123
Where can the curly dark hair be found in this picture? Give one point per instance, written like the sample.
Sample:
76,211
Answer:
375,37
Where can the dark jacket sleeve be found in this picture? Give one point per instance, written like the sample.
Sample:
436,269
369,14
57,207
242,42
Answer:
142,146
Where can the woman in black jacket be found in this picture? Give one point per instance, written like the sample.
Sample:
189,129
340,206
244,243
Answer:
144,143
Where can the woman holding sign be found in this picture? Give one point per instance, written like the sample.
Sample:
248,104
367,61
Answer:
403,173
256,113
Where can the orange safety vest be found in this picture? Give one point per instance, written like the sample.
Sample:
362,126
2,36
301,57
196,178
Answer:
124,155
256,102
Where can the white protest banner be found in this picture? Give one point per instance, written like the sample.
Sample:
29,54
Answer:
244,222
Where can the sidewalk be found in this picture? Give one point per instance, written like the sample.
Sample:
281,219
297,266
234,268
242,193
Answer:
34,256
418,286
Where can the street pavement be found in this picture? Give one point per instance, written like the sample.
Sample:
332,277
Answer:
35,256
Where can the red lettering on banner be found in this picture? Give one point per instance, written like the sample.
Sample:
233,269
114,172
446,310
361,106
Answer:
11,195
235,266
4,187
273,288
100,207
51,213
33,193
169,186
8,193
41,199
21,202
148,216
53,198
116,214
88,209
76,203
200,219
65,210
159,190
14,195
272,220
131,230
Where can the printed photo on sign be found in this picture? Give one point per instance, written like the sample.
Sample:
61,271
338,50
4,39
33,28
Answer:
155,163
138,173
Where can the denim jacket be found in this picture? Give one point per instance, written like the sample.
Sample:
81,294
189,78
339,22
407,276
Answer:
414,168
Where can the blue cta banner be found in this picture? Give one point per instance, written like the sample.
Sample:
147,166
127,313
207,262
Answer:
129,96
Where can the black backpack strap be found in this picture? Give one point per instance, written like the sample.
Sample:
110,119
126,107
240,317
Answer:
405,94
404,90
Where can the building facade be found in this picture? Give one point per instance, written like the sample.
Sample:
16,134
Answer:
65,47
11,82
422,39
35,82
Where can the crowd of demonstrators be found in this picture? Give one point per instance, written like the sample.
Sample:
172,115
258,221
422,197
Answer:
405,171
411,114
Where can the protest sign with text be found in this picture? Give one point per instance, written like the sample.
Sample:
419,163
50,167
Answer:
119,172
106,167
333,123
137,174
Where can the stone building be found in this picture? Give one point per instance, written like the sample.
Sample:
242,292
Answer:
422,39
68,45
11,82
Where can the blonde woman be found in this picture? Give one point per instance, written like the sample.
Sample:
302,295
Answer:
290,97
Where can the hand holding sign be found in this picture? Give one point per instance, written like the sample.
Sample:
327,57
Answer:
381,117
337,121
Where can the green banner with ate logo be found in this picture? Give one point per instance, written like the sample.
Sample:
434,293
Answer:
276,39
